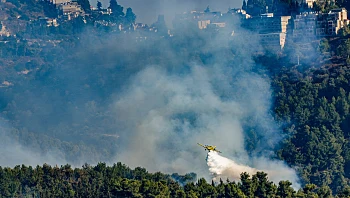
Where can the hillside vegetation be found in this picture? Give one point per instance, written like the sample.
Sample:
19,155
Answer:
120,181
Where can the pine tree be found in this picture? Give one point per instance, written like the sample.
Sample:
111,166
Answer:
244,6
99,5
130,17
207,10
117,10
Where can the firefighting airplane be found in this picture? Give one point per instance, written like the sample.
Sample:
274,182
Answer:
209,148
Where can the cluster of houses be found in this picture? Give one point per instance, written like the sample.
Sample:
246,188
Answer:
68,9
271,30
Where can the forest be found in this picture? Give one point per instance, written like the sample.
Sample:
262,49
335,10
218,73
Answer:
121,181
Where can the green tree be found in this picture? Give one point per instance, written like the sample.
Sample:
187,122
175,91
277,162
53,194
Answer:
244,6
99,5
264,188
85,5
247,185
344,193
117,10
285,189
130,17
324,45
324,192
344,49
207,10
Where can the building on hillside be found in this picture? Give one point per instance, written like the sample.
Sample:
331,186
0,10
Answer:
266,15
272,30
70,10
267,24
239,12
336,19
140,27
273,41
234,18
45,21
106,11
309,3
304,25
202,24
57,2
217,24
195,18
4,32
311,24
200,15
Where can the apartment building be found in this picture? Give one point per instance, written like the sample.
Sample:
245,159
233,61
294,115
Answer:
336,19
305,25
200,19
57,2
272,30
267,24
273,41
312,24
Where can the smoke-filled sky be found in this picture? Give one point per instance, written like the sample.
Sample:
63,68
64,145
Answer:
148,10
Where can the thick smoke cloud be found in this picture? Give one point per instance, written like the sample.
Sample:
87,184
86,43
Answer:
163,114
221,167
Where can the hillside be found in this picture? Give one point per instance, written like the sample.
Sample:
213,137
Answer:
17,15
315,112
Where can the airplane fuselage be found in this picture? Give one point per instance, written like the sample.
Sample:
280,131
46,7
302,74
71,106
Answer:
209,148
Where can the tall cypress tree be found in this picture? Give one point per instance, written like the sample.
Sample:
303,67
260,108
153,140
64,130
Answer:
130,17
244,6
99,5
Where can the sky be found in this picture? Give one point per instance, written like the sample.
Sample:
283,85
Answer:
147,11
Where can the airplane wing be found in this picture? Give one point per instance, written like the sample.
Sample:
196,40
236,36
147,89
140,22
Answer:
201,145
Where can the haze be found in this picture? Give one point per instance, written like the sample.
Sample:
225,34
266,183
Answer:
148,10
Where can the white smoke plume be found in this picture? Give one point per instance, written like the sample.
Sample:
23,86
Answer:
224,168
221,167
162,115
